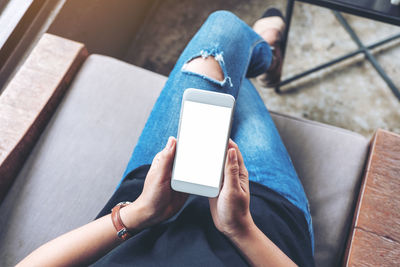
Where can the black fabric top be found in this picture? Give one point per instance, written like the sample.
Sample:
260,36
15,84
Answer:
191,239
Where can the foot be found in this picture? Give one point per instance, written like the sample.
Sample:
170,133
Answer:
271,29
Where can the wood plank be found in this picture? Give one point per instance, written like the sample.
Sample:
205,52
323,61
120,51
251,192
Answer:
386,159
380,207
373,250
30,99
375,234
15,20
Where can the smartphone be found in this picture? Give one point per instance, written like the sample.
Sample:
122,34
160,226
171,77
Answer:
203,135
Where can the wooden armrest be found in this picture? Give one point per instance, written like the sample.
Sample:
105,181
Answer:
29,100
375,234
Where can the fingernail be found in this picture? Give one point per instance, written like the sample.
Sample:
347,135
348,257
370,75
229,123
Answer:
232,155
169,143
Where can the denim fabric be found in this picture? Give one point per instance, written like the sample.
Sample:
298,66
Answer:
241,53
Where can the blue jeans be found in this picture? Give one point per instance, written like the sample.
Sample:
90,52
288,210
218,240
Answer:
242,54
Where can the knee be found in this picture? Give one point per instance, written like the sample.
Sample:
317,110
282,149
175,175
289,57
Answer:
223,15
223,20
224,24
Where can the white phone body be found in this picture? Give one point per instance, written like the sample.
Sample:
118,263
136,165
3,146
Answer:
203,135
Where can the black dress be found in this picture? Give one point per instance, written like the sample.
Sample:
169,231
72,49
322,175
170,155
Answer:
191,239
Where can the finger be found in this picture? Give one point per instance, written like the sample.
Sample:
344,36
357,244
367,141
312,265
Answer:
168,154
164,159
231,177
243,174
242,167
232,144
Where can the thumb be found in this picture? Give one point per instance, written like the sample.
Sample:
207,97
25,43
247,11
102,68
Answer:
231,172
162,162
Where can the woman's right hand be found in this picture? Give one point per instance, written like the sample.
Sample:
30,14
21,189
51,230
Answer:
158,201
231,209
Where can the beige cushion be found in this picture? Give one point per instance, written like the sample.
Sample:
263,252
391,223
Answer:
82,154
329,162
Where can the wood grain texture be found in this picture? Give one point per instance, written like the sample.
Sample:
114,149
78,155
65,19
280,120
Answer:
373,250
375,237
30,99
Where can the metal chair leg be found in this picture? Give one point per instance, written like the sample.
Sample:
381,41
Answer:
368,54
288,17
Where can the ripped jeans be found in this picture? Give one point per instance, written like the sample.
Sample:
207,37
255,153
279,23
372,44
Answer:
241,54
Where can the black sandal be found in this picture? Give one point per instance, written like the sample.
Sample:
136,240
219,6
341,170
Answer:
272,77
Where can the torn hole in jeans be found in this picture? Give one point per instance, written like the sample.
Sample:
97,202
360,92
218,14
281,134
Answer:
218,56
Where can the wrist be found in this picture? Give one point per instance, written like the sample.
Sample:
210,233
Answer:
135,216
244,236
244,229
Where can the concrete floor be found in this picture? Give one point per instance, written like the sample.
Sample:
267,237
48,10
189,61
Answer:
350,95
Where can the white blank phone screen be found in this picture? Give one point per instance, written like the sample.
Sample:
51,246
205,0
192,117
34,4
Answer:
202,142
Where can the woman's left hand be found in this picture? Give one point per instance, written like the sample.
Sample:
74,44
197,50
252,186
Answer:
157,201
231,209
